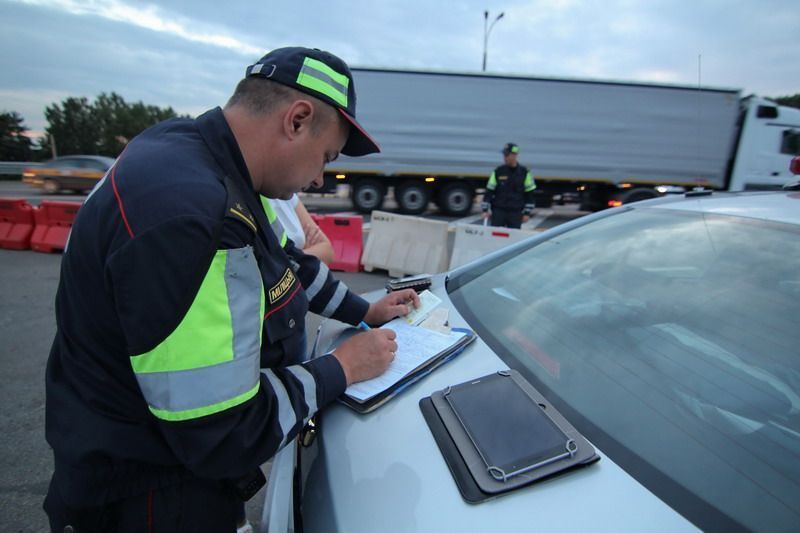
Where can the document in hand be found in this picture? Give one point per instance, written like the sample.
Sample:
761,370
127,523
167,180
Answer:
419,351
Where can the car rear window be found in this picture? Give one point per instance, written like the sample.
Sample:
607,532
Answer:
671,340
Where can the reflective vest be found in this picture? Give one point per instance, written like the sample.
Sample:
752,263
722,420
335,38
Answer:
510,188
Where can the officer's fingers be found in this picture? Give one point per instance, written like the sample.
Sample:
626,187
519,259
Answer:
406,296
414,297
400,310
388,334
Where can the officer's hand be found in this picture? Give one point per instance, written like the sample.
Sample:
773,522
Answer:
485,214
394,304
366,355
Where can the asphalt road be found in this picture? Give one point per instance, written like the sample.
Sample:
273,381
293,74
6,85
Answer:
28,282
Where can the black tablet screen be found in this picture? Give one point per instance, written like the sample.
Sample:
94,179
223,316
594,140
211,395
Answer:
509,429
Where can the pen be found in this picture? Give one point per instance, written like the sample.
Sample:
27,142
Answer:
363,326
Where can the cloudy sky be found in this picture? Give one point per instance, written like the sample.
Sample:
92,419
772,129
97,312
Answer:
189,54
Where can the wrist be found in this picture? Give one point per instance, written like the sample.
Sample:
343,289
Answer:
369,315
345,370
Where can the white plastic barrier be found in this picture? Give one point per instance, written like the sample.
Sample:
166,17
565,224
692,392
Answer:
405,245
473,241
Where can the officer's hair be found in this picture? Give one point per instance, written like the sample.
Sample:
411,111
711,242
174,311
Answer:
260,96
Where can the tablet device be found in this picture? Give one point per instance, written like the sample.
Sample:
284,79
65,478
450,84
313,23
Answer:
522,466
517,437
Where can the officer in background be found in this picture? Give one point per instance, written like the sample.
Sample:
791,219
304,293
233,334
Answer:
509,192
177,367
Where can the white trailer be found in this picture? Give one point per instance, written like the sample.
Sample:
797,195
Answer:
611,142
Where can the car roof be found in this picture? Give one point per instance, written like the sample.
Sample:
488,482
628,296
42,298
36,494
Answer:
776,206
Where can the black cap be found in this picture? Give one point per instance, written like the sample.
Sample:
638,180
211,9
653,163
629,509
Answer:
510,148
323,76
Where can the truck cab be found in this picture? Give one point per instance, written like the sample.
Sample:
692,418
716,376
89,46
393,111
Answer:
769,137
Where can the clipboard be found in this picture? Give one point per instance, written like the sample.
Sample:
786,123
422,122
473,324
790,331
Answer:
468,462
430,363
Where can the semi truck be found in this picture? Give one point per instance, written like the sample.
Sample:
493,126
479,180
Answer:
603,142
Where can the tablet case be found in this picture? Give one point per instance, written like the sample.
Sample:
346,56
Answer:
467,466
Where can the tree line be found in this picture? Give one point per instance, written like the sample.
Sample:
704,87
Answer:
104,127
78,126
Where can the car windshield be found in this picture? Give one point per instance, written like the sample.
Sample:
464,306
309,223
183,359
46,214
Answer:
671,340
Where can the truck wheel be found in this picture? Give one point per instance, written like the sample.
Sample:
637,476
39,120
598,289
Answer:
367,195
412,197
51,186
456,199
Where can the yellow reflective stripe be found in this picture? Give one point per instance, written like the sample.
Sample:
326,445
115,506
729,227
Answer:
529,183
323,79
337,77
190,414
210,361
275,224
271,215
492,182
205,335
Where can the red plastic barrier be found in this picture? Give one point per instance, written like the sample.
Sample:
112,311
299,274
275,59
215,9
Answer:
53,223
345,233
16,223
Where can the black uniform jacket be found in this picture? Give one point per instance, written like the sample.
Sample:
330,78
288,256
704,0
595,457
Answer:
509,192
138,252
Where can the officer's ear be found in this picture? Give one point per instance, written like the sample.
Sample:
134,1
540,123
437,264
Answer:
297,118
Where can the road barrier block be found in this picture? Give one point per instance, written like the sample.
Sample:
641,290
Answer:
16,224
53,223
346,236
405,245
472,242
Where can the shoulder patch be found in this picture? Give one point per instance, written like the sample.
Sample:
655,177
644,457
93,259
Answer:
277,291
240,212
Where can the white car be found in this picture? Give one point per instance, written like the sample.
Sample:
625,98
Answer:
667,332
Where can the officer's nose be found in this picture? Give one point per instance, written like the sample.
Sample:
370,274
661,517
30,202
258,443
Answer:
318,181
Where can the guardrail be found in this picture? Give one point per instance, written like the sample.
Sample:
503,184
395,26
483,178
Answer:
14,168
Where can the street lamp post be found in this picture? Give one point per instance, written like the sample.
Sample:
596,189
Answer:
487,28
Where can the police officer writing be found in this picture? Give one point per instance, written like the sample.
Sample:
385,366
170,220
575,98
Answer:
176,370
509,192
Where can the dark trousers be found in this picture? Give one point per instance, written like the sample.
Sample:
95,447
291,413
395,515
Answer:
194,505
507,218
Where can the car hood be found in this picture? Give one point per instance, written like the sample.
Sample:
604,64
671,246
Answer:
383,471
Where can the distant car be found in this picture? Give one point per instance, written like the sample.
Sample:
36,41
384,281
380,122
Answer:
665,331
73,172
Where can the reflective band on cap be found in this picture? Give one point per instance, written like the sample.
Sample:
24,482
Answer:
321,78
